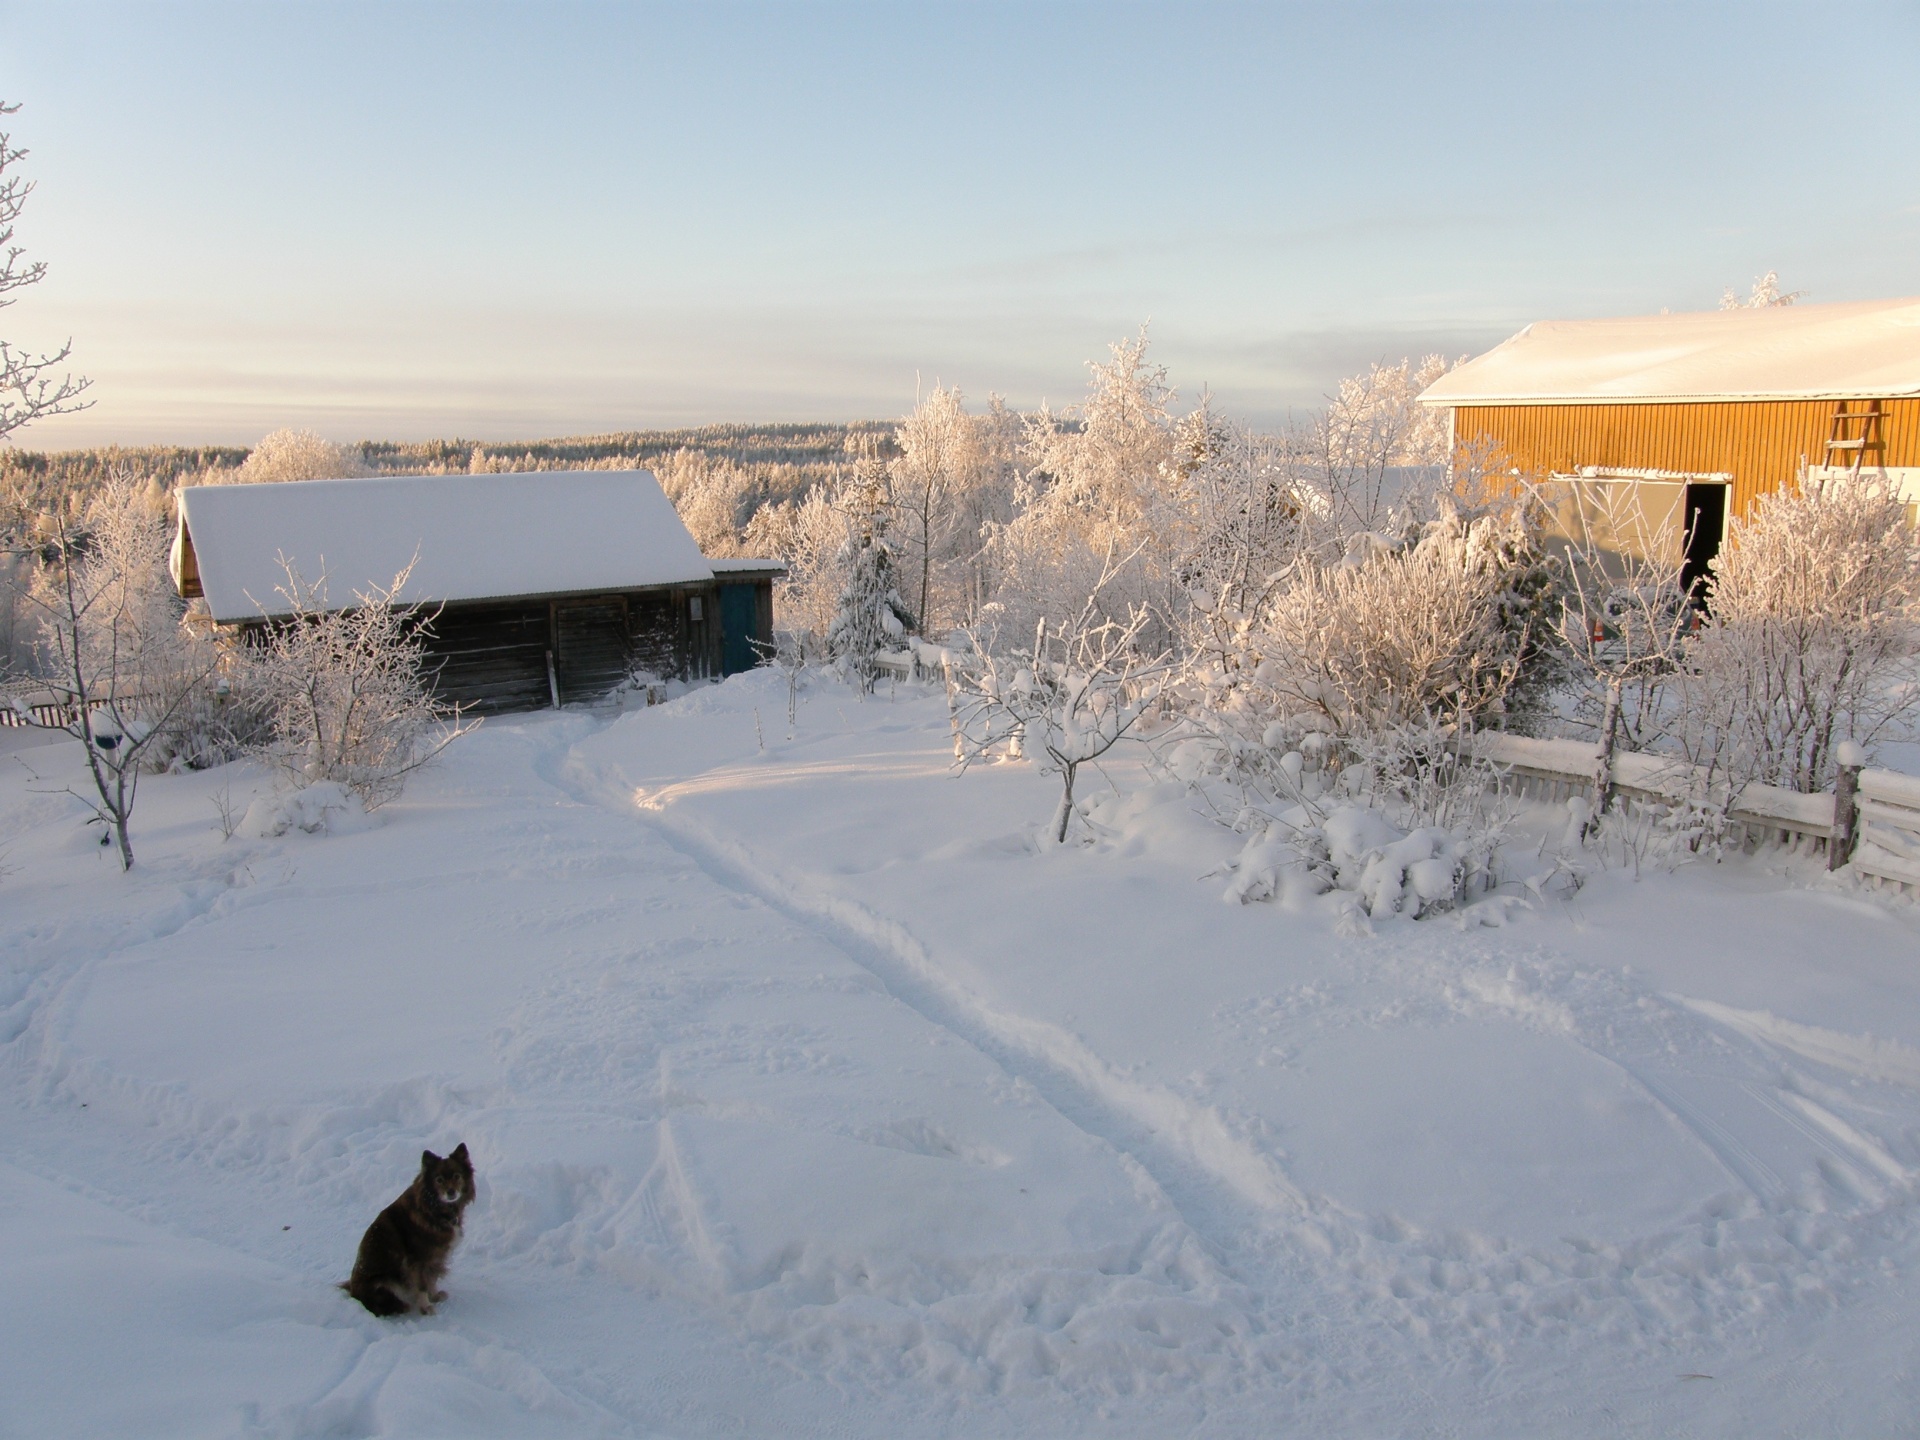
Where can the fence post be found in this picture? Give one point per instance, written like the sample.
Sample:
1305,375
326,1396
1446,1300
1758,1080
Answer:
1846,810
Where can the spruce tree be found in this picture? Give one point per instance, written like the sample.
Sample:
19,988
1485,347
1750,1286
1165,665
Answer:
872,615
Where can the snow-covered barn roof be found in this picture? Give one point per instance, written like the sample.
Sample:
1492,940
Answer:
1861,350
477,537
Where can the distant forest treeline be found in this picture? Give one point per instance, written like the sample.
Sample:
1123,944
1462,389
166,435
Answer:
789,459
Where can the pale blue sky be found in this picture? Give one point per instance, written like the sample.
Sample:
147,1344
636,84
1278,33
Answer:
505,222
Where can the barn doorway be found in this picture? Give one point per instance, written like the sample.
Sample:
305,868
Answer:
590,652
1706,527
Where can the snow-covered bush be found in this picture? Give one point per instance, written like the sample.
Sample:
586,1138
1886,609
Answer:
870,616
1409,824
344,690
325,807
1455,623
1811,638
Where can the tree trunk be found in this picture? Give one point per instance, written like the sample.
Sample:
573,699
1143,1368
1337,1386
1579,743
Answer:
1066,803
1603,761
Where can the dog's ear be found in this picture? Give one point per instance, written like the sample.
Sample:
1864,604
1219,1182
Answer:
428,1159
459,1156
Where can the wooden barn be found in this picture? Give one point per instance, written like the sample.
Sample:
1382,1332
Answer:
538,589
1700,414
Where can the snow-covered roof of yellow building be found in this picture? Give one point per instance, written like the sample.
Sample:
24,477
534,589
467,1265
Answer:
1859,350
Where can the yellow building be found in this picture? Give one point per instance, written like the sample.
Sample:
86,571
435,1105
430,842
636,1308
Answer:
1701,413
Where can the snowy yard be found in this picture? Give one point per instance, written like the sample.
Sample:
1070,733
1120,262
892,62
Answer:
809,1096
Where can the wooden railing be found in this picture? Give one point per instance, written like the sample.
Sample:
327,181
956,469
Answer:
1886,806
1888,826
49,710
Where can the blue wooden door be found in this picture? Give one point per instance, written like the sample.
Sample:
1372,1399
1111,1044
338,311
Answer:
736,629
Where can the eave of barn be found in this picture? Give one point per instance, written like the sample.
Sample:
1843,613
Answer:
1761,443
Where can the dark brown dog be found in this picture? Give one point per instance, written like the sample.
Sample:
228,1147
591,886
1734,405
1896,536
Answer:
404,1252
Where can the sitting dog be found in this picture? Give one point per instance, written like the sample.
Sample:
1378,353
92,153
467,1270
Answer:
404,1252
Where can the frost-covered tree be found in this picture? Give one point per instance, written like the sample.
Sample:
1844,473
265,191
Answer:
716,497
345,690
1811,639
1097,486
1077,693
1373,427
120,668
871,616
951,482
1766,292
292,455
811,537
30,387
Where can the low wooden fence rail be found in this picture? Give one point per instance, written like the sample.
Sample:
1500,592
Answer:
51,711
1883,824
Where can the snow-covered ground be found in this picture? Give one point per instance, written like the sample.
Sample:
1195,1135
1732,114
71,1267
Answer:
810,1096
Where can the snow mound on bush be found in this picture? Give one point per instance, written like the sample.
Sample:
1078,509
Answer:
324,808
1357,849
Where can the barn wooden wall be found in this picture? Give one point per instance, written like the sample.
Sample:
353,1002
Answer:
1760,443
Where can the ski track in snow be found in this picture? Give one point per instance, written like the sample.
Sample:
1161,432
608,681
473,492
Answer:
1738,1262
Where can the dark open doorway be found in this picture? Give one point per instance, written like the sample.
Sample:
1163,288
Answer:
1706,521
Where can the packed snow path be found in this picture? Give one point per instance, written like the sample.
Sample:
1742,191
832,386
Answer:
810,1097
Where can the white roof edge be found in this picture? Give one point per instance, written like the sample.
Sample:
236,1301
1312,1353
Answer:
1855,350
1437,402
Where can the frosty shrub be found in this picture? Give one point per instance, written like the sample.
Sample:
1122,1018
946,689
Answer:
344,690
1811,639
124,673
870,616
1076,694
1411,824
292,455
1456,624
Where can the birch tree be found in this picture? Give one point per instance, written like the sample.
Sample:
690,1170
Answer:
120,669
31,385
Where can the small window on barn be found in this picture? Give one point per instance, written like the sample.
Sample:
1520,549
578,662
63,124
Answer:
694,609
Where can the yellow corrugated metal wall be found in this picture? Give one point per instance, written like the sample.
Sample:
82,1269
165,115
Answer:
1761,443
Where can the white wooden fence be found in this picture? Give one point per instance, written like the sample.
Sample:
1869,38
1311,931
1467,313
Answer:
1886,826
1887,840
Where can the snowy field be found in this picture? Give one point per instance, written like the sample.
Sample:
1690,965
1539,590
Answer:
810,1097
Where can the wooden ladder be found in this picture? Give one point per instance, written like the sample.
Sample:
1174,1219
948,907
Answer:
1844,439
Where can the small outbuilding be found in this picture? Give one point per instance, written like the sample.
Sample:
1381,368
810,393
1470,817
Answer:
536,589
1700,413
